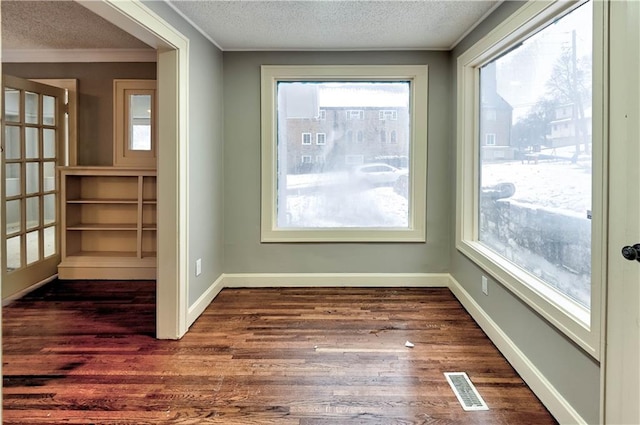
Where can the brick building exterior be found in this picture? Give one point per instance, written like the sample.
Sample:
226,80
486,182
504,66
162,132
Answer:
340,137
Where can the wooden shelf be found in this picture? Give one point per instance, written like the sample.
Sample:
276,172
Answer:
103,226
103,201
108,223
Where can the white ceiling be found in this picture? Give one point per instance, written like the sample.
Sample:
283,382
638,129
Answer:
257,24
334,24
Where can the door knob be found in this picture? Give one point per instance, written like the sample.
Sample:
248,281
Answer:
631,252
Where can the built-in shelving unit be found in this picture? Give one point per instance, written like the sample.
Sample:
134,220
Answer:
108,223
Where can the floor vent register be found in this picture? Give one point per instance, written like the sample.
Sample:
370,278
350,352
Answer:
464,390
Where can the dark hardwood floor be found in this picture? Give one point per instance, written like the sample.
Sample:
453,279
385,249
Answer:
83,352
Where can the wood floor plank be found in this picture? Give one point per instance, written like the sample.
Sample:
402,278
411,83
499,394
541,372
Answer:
83,352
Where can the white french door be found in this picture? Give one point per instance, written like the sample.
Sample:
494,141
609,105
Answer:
33,146
622,344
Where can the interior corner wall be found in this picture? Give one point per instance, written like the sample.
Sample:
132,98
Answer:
95,99
571,371
244,253
205,155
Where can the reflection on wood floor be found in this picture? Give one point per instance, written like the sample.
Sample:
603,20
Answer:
83,352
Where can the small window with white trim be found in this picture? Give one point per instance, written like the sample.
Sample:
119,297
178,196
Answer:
306,138
490,139
327,205
388,115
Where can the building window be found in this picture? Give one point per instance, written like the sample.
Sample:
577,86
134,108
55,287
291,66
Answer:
305,159
383,136
490,139
394,137
322,114
522,221
335,212
388,115
306,138
349,136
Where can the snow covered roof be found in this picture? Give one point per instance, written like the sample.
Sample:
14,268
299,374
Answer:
363,95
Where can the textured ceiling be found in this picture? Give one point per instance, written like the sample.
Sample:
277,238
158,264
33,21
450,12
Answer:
332,24
257,24
59,25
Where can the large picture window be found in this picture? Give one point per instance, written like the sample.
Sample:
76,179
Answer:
530,198
359,188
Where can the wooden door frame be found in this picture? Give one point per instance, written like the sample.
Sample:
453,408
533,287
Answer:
173,88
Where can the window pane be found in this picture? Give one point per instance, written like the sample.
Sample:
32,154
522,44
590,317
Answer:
140,122
31,142
33,177
535,155
12,142
33,247
49,241
12,105
49,110
31,113
49,208
14,213
49,143
14,250
342,181
13,180
33,212
49,171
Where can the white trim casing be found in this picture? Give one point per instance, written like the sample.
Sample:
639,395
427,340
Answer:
173,143
198,307
300,280
416,229
578,323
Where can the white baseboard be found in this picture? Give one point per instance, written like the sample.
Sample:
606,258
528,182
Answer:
20,294
543,389
205,299
263,280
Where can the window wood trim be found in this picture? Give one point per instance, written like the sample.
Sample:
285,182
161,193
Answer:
122,155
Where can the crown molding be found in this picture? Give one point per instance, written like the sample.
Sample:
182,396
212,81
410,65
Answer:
78,55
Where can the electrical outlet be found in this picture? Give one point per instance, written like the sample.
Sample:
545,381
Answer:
485,285
198,266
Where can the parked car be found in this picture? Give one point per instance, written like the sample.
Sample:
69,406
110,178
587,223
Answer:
377,174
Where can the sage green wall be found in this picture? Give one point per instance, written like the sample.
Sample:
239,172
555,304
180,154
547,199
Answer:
95,99
205,170
243,251
575,374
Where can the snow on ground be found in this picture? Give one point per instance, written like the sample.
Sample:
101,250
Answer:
345,206
328,200
553,184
